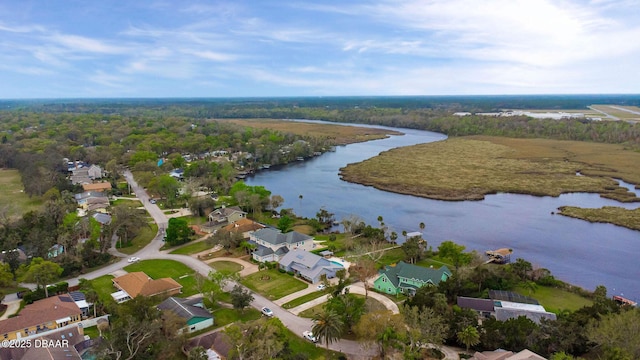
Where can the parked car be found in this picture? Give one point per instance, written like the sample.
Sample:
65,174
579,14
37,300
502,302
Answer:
133,259
267,312
153,201
309,336
321,287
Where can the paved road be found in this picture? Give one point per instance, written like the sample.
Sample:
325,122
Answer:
152,251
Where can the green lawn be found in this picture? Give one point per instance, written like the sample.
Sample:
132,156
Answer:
303,299
226,266
371,304
92,332
12,194
192,248
146,235
104,287
225,316
273,284
125,201
555,300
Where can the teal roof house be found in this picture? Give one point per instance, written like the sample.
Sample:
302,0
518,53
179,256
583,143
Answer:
406,278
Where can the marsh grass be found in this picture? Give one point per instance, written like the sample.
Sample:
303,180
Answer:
607,214
469,168
341,134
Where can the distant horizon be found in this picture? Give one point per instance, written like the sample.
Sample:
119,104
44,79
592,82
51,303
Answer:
273,48
318,96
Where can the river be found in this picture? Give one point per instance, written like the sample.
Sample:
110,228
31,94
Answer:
576,251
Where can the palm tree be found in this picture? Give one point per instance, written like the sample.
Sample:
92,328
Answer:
469,336
327,327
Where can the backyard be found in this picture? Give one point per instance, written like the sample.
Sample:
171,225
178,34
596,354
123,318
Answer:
273,284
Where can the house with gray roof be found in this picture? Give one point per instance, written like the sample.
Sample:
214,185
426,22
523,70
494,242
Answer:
226,215
504,310
407,278
308,266
272,244
191,310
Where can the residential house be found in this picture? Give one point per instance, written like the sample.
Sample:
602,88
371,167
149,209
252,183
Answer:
226,215
308,266
95,172
100,186
217,345
103,219
80,176
483,307
407,278
243,226
272,244
139,283
505,305
55,251
41,316
191,310
61,344
506,355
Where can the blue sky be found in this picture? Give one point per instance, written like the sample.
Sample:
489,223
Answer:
182,48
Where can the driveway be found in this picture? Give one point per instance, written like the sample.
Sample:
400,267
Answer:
247,267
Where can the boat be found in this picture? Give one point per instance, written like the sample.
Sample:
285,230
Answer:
299,158
624,301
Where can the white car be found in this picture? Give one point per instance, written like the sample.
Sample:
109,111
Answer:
309,336
133,259
267,312
321,287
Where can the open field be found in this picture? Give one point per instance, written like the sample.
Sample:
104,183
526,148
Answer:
340,134
13,200
555,300
273,284
607,214
468,168
157,268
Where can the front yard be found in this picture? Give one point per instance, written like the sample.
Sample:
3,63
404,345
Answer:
179,272
273,284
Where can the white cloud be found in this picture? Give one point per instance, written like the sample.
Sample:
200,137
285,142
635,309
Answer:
77,43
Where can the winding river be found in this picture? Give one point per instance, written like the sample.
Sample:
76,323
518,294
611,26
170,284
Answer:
582,253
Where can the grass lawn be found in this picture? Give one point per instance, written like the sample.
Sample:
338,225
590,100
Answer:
104,287
226,266
555,300
125,201
303,299
225,316
92,332
192,248
157,268
273,284
607,214
12,194
146,235
371,304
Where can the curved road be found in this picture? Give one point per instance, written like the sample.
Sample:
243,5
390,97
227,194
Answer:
152,251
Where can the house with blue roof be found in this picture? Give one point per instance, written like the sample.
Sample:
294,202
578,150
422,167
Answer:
406,278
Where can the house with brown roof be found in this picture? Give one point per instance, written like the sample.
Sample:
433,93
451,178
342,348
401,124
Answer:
101,186
41,316
58,344
244,226
139,283
506,355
